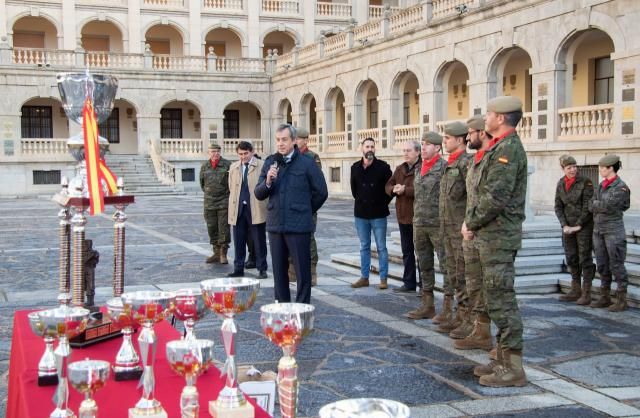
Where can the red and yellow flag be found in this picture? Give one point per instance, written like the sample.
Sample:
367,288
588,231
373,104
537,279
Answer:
92,158
109,177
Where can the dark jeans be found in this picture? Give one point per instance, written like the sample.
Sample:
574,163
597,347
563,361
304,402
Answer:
298,247
408,255
241,231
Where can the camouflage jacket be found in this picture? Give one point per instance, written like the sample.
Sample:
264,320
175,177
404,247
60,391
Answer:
500,183
315,157
215,184
426,191
572,207
608,206
453,191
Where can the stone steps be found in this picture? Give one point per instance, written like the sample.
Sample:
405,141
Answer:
139,175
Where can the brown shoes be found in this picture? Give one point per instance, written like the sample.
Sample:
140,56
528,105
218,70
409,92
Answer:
383,285
362,282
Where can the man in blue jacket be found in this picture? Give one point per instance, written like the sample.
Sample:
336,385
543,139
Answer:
296,189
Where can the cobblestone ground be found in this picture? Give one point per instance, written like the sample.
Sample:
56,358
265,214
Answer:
580,362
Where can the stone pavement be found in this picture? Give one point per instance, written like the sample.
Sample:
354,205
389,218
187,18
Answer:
580,362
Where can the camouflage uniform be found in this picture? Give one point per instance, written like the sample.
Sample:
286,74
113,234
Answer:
215,185
426,225
497,220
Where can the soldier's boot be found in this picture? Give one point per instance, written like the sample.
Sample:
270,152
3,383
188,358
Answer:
453,323
585,297
480,336
223,254
292,273
493,353
215,257
487,369
467,326
426,310
604,301
509,373
574,293
314,275
621,302
445,314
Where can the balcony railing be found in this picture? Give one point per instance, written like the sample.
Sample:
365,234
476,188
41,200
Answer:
165,171
586,122
525,127
163,3
406,19
404,133
43,56
313,142
182,147
374,133
222,5
229,145
335,43
177,63
106,59
285,7
240,65
376,12
444,8
44,146
337,142
324,9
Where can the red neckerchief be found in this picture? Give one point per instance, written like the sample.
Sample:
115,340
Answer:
303,150
607,182
454,156
427,164
480,153
214,164
568,183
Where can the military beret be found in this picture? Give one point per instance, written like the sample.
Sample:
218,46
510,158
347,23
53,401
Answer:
214,146
455,129
566,160
504,104
432,138
302,133
476,122
608,160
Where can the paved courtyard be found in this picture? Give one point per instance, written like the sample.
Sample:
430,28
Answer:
580,362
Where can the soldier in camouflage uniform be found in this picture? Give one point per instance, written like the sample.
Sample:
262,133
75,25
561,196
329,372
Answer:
610,201
573,194
453,203
496,221
426,222
214,182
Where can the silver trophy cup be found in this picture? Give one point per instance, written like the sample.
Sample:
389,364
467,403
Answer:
88,376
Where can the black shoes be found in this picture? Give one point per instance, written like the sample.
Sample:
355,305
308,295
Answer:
236,274
251,264
263,274
403,289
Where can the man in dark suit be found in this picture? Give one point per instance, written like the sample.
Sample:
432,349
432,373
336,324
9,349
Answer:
296,189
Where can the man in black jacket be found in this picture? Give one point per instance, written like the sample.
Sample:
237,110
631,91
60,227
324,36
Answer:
368,179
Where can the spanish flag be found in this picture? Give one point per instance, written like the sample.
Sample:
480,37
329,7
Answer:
108,177
92,158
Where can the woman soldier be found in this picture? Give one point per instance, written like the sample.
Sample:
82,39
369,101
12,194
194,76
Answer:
610,201
573,194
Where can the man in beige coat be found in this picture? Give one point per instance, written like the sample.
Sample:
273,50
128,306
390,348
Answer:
247,214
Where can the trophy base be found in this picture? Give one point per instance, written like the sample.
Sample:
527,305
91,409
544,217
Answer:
100,330
127,375
133,413
244,411
48,380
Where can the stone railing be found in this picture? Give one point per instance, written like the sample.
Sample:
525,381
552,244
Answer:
324,9
285,61
444,8
44,146
239,65
313,142
406,19
441,124
336,43
404,133
229,145
586,122
177,63
374,133
44,57
222,5
165,171
308,53
376,12
367,32
525,127
287,7
106,59
163,3
182,147
337,142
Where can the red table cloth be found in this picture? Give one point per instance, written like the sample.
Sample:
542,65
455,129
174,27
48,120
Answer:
28,400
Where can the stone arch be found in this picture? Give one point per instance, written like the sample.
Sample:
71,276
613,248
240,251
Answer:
233,28
245,129
166,99
334,120
285,109
59,128
297,38
124,33
405,82
307,116
441,84
184,33
495,75
46,16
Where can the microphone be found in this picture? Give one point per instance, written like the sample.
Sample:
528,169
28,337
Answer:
278,159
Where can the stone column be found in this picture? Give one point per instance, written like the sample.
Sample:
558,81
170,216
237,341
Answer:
360,11
384,122
427,102
477,91
546,100
136,38
309,13
3,22
253,31
148,129
195,39
626,97
69,25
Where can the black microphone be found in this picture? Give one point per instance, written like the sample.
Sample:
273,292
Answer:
278,159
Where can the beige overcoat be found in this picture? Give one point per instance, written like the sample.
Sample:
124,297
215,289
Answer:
258,207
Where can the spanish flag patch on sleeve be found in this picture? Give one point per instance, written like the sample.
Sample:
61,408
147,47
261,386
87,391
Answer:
503,159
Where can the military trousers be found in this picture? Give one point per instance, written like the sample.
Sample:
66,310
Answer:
578,249
611,251
455,265
498,274
427,240
218,226
473,278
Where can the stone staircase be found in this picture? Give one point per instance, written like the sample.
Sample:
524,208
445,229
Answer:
138,174
540,267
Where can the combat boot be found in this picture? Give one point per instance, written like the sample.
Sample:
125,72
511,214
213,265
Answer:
621,302
487,369
223,254
493,353
445,314
426,310
480,336
574,293
465,329
215,257
314,275
585,298
509,373
453,323
604,300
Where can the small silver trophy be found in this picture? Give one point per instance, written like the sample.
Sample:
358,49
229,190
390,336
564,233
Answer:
189,308
47,373
88,376
127,364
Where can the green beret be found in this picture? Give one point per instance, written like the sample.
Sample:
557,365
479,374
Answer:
302,133
432,138
504,104
608,160
214,146
567,160
455,129
476,122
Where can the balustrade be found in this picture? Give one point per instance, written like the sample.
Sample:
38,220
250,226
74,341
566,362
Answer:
280,6
182,147
404,133
106,59
335,44
44,57
240,65
586,122
178,63
374,133
525,126
443,8
367,32
222,5
165,171
313,142
337,142
164,3
44,146
406,19
376,12
308,53
229,145
324,9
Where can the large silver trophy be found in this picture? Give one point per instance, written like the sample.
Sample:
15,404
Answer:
286,325
127,364
365,408
189,308
74,88
88,376
228,297
47,373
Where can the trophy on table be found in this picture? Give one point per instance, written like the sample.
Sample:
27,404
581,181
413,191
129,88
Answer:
189,308
286,325
365,408
148,307
228,297
63,322
190,358
47,373
127,364
88,376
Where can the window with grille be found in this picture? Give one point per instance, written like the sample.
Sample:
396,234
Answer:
603,83
46,177
36,122
171,123
591,172
335,174
231,124
373,113
110,128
